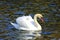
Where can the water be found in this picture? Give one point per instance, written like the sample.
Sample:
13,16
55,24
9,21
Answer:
28,35
10,10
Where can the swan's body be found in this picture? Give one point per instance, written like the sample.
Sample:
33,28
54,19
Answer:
27,23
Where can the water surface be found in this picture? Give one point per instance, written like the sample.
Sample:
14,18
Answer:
10,10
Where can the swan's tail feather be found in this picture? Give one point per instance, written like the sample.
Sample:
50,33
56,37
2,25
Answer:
15,25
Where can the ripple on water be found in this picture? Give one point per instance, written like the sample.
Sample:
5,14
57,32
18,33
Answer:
1,38
19,13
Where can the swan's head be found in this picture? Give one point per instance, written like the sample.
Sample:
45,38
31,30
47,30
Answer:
39,16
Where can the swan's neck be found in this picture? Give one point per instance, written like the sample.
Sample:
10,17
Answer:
36,22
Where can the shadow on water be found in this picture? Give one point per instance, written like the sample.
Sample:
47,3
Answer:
10,10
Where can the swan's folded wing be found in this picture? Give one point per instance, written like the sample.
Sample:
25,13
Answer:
33,23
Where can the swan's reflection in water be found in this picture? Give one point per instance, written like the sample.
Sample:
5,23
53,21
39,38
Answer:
28,35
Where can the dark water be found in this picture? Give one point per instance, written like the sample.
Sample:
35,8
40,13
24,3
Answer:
10,10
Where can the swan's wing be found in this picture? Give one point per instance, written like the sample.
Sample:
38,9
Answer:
31,20
33,23
25,22
21,21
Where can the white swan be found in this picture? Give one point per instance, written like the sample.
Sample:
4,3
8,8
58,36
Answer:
27,23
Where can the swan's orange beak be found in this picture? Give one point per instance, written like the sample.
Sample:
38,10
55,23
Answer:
42,19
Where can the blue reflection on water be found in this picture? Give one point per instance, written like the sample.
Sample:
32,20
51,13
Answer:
9,26
30,3
58,15
19,13
1,39
46,33
0,21
46,19
52,4
32,15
